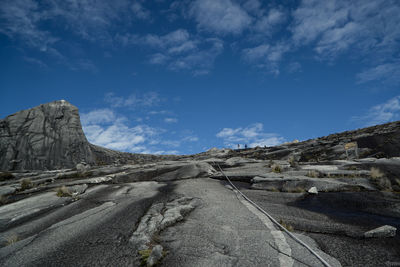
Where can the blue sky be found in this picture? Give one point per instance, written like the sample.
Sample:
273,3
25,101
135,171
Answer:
184,76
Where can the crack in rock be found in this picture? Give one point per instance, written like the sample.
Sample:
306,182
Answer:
159,217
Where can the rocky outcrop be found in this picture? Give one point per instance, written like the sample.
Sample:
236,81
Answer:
380,141
48,136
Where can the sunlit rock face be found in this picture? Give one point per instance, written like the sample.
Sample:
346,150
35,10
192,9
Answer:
48,136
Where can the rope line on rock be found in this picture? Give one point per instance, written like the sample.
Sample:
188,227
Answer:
275,221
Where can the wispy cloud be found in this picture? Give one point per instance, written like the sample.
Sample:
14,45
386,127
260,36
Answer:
266,56
19,19
252,135
91,20
338,25
268,23
221,17
98,116
148,99
179,50
388,72
171,120
381,113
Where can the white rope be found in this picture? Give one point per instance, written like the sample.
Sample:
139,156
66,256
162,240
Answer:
274,221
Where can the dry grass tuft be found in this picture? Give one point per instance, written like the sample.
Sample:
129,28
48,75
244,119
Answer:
26,184
313,174
63,191
286,225
273,189
293,162
297,190
276,168
12,239
376,173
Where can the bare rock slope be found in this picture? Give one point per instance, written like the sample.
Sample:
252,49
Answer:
48,136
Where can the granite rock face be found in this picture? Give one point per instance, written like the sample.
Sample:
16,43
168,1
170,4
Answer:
48,136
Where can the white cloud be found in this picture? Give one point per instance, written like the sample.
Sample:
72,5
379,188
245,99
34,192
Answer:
91,20
105,128
171,120
98,116
267,24
252,135
140,11
149,99
179,50
221,17
337,25
382,113
118,135
388,72
19,19
266,56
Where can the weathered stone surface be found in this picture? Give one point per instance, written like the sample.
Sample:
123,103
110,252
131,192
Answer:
159,217
48,136
383,231
7,190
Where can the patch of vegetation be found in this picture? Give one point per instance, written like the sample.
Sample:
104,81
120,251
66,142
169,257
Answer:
273,189
85,174
276,168
63,191
376,173
352,168
313,174
381,181
293,162
12,239
145,254
286,225
6,176
26,183
297,190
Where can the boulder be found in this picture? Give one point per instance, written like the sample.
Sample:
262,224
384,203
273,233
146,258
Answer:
313,190
383,231
82,167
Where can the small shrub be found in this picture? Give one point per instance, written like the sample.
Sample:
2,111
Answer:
286,225
63,191
313,174
145,254
292,161
381,181
376,173
276,168
26,184
6,176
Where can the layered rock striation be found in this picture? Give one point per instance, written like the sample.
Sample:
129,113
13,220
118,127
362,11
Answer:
48,136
